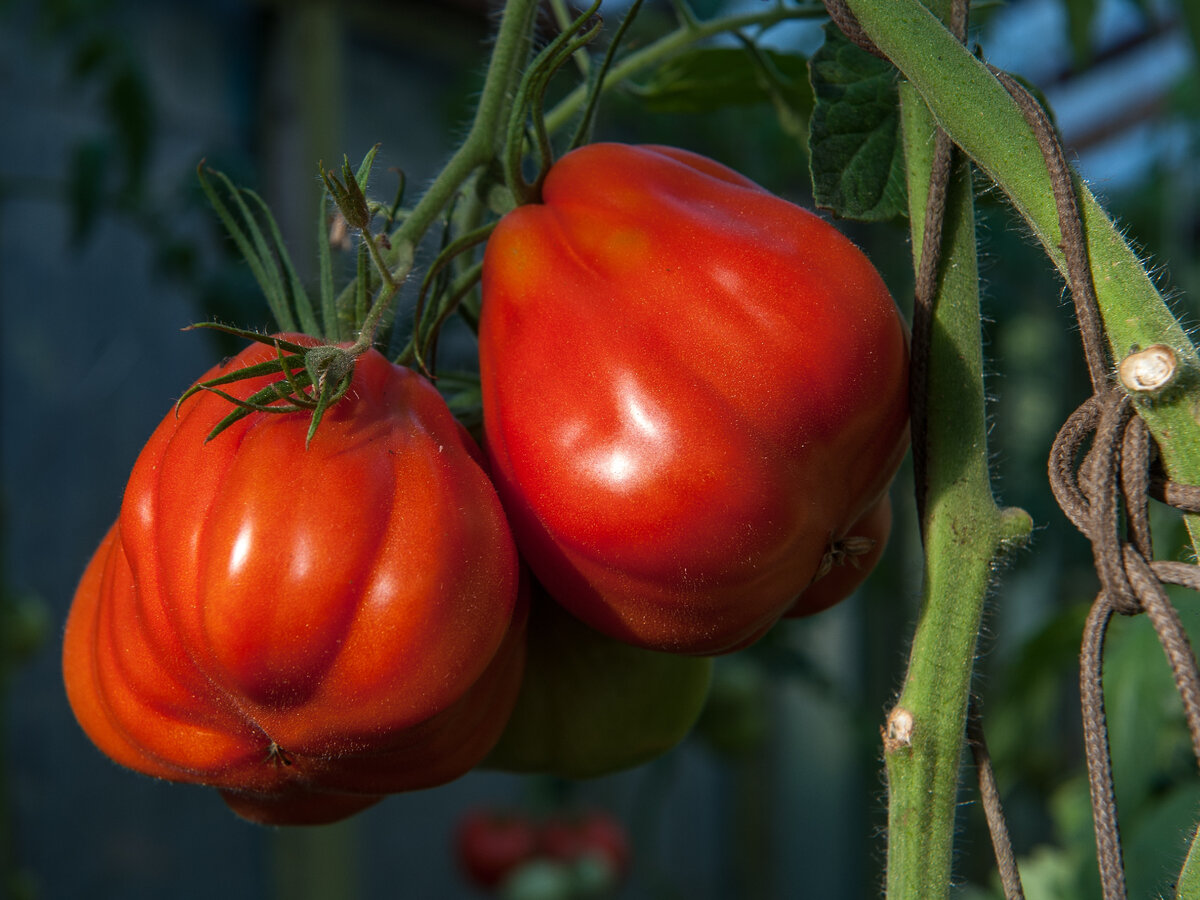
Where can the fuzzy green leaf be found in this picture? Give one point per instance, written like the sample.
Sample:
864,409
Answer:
702,80
856,155
1188,884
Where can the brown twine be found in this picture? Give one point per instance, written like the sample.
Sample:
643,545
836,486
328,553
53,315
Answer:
1105,494
989,795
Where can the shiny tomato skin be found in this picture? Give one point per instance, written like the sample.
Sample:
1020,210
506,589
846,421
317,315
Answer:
689,386
848,570
278,622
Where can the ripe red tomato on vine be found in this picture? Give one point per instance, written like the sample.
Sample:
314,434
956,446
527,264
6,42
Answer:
691,389
490,844
305,629
493,846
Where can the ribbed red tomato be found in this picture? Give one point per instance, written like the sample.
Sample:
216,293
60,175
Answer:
304,629
690,388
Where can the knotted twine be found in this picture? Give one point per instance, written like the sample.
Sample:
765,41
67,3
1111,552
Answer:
1104,489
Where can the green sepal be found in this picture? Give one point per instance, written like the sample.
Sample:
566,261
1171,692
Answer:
250,335
325,369
349,191
332,386
429,318
255,371
363,174
261,401
265,257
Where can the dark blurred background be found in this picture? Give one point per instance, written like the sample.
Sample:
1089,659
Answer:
108,249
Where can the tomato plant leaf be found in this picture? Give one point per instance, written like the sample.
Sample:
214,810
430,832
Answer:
856,155
1188,883
299,296
706,79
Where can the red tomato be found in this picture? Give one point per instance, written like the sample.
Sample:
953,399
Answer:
689,384
596,834
850,559
305,630
490,845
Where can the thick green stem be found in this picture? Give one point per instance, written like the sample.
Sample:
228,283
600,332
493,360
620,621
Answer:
981,117
488,128
964,532
484,139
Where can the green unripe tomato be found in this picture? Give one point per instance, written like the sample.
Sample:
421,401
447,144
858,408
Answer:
591,705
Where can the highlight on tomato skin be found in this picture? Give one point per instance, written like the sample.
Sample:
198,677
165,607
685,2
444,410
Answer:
304,629
689,385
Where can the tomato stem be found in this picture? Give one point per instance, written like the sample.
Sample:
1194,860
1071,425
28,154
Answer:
485,140
982,118
947,83
690,31
482,143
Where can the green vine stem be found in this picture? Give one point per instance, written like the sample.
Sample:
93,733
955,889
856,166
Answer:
486,136
976,111
965,531
482,144
982,119
690,31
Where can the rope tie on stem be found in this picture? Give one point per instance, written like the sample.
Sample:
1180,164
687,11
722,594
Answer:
1105,494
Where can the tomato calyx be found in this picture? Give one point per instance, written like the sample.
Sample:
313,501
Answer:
312,379
278,756
848,551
